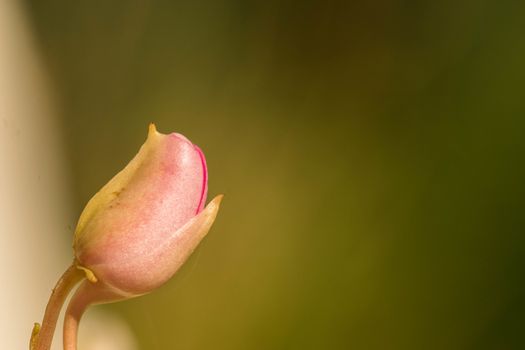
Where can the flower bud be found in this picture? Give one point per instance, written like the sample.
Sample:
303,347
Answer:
143,224
135,233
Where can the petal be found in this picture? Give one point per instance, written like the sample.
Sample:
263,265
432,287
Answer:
204,190
148,264
106,194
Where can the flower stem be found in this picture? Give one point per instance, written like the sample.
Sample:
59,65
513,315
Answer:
42,335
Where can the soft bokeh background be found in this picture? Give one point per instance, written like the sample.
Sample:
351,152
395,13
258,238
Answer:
371,153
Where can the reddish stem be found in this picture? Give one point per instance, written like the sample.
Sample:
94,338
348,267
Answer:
43,335
86,294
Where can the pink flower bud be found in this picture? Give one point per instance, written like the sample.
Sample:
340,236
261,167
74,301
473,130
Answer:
143,224
135,233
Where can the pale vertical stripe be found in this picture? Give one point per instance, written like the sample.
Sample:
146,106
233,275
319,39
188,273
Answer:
36,221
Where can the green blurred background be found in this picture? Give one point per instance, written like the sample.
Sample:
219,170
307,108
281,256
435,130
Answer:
371,153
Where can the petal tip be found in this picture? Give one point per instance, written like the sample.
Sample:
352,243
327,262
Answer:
217,200
152,129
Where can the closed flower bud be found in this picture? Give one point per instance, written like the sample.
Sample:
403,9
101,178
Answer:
138,230
141,226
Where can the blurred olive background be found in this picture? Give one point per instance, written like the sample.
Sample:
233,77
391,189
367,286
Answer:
371,153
